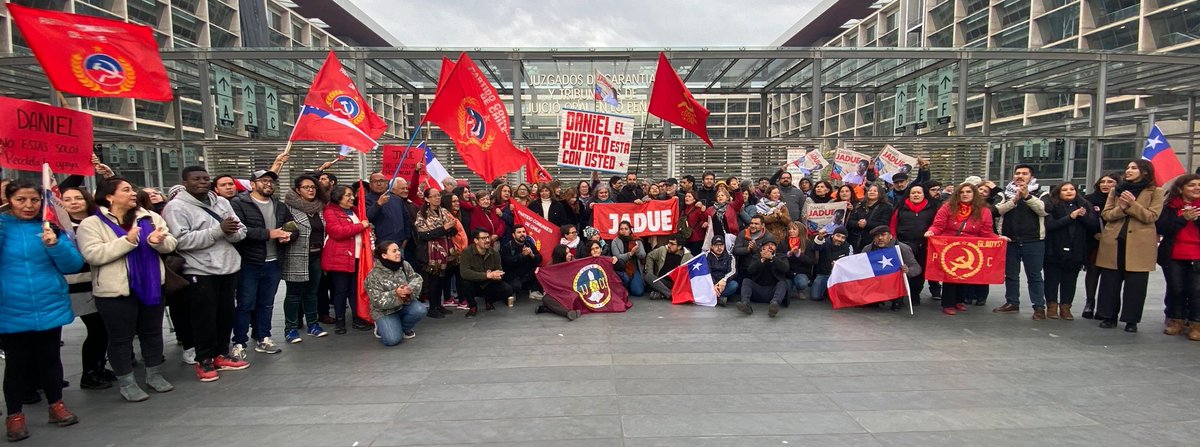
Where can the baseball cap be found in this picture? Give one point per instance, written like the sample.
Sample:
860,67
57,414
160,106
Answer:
263,173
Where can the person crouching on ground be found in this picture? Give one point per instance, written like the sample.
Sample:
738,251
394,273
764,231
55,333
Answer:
766,280
881,239
393,286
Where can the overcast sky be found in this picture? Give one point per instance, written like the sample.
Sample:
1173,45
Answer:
559,23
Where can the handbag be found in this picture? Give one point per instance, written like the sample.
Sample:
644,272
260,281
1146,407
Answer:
173,282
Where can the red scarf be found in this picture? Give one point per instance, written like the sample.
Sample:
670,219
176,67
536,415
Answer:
917,208
964,211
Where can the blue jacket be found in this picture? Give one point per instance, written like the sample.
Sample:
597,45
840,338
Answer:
33,291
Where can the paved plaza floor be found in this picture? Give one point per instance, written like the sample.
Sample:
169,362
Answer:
663,375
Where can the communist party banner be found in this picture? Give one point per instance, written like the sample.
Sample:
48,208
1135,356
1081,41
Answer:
850,167
966,260
545,235
587,285
653,218
892,162
595,141
33,133
826,216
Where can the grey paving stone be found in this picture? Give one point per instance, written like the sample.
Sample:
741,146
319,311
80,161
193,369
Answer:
738,424
483,391
969,419
763,385
939,399
725,403
1055,436
463,411
909,382
746,370
837,440
520,431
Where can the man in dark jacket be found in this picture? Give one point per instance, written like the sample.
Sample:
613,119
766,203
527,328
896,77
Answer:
882,239
748,243
765,281
707,193
265,218
1022,222
392,214
521,259
792,196
829,250
481,273
723,269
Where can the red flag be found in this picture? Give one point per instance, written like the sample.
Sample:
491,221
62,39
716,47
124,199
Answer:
534,172
587,285
365,262
90,56
545,235
671,101
447,67
966,260
335,112
470,111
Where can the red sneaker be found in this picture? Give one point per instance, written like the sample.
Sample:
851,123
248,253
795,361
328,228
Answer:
59,414
206,372
949,311
961,307
223,363
16,427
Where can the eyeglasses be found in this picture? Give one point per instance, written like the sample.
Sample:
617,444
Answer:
572,232
307,187
480,238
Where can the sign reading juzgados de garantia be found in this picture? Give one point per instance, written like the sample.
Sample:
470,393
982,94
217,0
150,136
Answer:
595,141
966,260
653,218
33,133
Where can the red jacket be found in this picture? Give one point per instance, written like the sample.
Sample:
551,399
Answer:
338,254
731,214
697,220
488,221
946,223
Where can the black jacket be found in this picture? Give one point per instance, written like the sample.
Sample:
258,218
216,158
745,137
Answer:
1067,239
879,214
558,213
517,265
253,248
910,226
827,253
778,270
720,266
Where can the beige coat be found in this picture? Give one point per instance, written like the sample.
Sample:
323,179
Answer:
1141,238
106,252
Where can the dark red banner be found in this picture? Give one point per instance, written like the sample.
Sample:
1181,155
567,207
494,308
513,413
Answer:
33,133
587,285
545,235
966,260
653,218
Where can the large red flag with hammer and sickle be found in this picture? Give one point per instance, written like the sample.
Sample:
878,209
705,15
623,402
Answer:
966,260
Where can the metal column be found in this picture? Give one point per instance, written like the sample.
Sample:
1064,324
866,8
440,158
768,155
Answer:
360,80
415,109
818,99
763,128
517,118
178,103
960,123
208,114
1099,103
875,112
1191,132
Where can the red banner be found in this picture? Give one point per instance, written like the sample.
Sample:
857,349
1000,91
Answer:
587,285
966,260
653,218
408,167
545,235
33,133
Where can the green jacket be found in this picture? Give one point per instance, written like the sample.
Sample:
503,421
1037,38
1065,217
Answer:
658,256
474,267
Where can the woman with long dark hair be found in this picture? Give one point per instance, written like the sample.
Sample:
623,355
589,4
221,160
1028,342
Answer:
394,288
1179,254
1070,226
845,193
344,231
1091,280
697,222
822,192
80,205
774,213
1128,246
435,249
34,305
630,252
550,208
122,242
874,210
302,259
963,215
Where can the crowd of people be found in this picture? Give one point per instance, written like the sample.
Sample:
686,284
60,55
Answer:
216,256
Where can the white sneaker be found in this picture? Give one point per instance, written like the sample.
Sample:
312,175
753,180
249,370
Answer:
238,352
266,346
411,334
189,356
536,296
376,332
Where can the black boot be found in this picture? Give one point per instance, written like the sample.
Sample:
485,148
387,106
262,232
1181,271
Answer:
339,326
91,380
436,312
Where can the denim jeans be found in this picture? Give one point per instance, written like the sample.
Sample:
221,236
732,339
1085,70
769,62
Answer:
256,300
1033,255
392,327
799,282
635,284
731,288
820,288
302,295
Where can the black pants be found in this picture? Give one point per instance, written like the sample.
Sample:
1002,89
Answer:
553,306
95,346
181,318
1061,279
126,317
32,361
324,299
525,285
763,293
345,293
1091,285
954,294
491,291
1122,293
1183,290
432,289
916,284
212,303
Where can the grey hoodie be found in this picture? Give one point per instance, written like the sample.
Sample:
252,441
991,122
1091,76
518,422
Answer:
206,250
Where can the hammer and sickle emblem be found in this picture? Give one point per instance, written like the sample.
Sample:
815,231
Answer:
964,262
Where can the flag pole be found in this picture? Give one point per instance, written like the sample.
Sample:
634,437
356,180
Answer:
287,150
907,289
403,157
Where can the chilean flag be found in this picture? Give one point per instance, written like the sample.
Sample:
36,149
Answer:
867,278
1159,153
693,283
434,171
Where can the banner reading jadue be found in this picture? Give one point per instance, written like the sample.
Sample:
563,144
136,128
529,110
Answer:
653,218
33,133
595,141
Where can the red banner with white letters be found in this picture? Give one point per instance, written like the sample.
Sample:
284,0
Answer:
653,218
544,234
32,133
